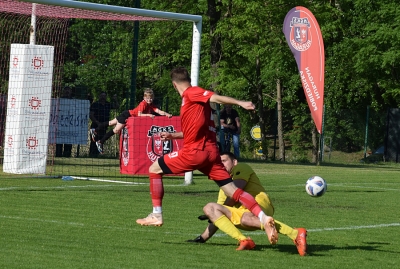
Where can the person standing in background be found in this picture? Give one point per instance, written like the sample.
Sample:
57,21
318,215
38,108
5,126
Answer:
100,112
230,123
64,150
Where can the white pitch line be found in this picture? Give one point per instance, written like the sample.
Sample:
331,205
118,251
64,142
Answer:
363,187
358,227
82,186
55,187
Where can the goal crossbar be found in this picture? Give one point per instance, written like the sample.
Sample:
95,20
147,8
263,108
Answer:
119,10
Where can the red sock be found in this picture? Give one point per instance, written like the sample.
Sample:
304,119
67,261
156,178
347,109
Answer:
156,189
247,200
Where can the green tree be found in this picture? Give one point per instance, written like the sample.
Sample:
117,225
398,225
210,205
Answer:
244,55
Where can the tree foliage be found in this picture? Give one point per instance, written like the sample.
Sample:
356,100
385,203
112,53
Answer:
244,54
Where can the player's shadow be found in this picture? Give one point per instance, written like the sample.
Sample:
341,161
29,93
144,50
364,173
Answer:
322,249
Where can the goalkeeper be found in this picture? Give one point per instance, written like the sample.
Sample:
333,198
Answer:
146,108
229,216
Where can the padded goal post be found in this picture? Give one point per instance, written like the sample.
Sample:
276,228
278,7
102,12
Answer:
56,11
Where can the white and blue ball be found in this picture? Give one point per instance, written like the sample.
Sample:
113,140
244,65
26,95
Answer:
316,186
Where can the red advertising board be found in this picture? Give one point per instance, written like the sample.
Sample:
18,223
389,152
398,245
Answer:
140,143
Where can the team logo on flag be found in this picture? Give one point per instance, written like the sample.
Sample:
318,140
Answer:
37,62
15,61
34,102
32,142
10,141
300,37
155,146
13,101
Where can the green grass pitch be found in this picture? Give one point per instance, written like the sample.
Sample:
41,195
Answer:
50,223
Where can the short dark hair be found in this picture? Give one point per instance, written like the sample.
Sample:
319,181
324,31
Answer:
180,74
230,155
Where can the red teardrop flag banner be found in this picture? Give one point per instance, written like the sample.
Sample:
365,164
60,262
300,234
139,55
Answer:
304,38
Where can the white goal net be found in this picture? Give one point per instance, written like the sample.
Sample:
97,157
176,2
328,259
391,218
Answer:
32,46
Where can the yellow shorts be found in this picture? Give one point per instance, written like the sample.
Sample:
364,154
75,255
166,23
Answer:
237,212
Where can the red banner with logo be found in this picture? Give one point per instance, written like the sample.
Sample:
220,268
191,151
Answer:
140,143
304,37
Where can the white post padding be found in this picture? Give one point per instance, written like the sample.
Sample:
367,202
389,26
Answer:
28,109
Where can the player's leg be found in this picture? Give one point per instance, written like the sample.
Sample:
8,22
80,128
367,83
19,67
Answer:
95,146
100,143
112,132
173,163
157,195
250,203
217,172
221,217
249,221
119,121
118,127
298,235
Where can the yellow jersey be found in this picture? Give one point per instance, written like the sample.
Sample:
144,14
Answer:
244,172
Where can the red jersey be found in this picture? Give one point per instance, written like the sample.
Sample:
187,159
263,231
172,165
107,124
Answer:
197,120
143,107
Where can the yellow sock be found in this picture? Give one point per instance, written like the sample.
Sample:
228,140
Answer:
225,225
282,228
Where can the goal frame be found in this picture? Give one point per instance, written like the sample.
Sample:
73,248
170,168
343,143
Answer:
195,19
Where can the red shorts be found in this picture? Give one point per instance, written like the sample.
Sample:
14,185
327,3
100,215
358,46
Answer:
206,161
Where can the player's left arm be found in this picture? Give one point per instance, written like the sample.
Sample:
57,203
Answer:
220,99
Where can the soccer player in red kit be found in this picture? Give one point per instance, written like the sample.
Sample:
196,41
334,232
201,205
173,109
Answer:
199,151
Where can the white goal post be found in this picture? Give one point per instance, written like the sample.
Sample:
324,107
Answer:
196,40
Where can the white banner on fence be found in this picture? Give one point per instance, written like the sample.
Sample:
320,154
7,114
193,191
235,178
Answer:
28,109
69,121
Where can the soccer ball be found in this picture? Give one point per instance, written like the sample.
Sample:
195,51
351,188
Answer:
316,186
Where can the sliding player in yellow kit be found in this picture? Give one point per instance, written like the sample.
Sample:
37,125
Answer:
229,216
